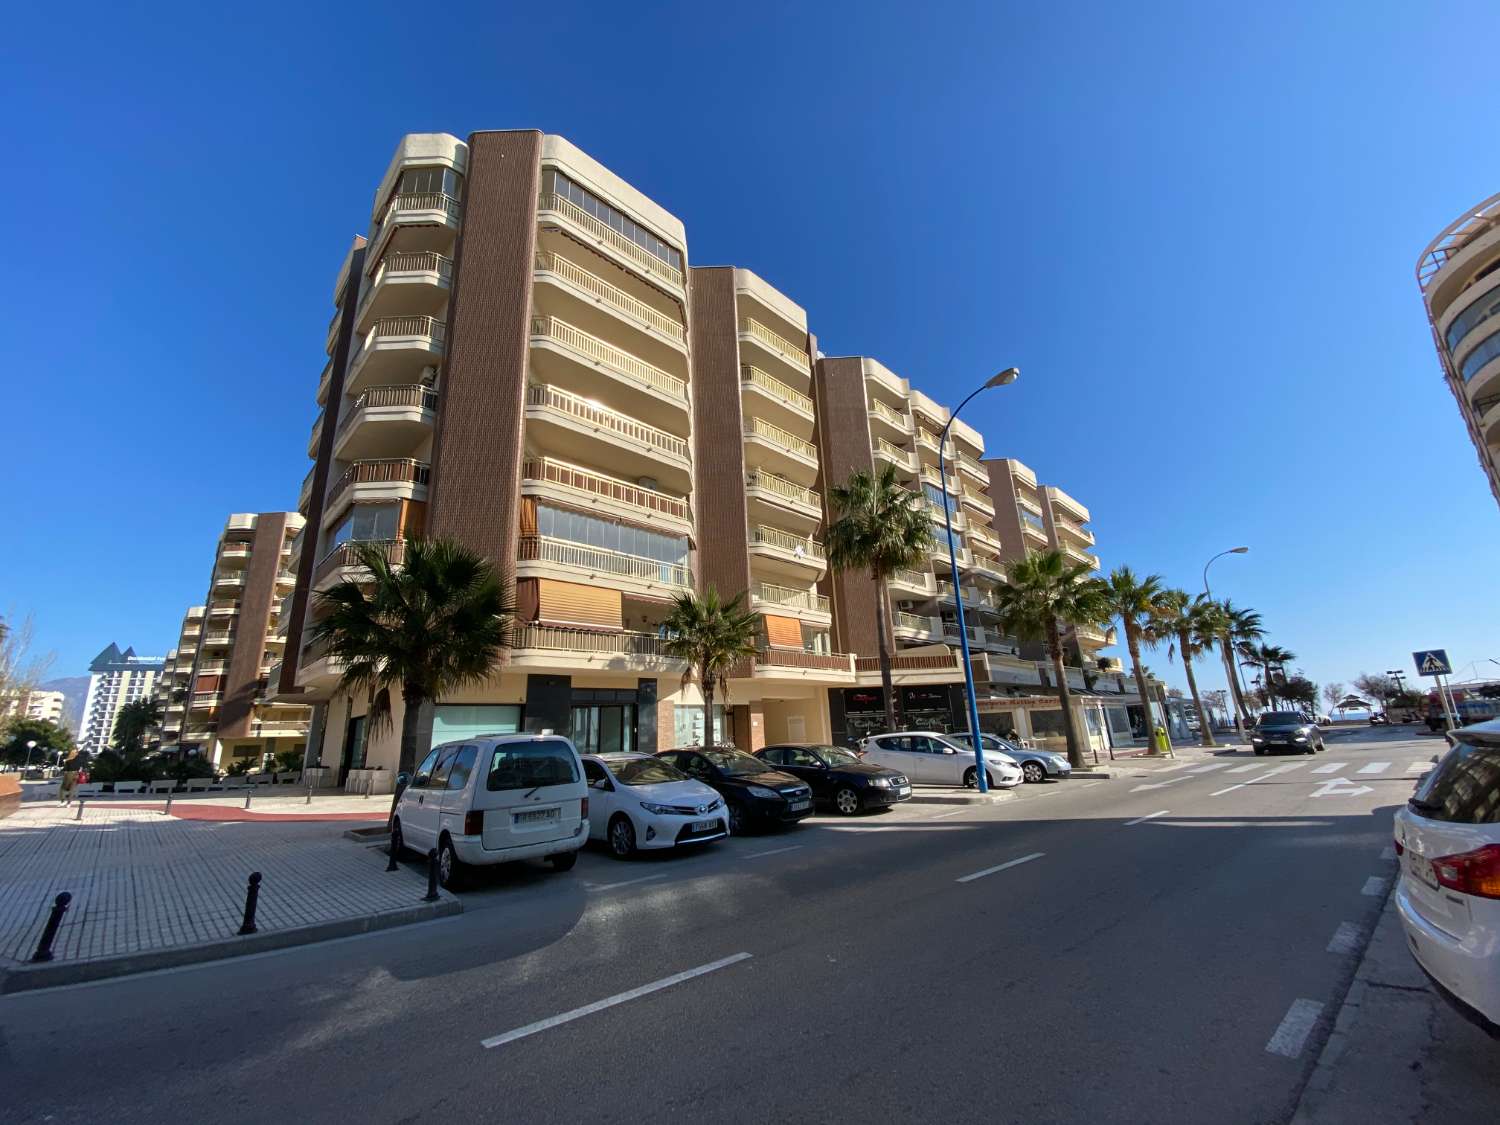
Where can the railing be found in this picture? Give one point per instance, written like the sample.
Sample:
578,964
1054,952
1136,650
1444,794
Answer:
778,343
541,548
314,434
978,499
596,484
914,623
780,486
324,379
585,640
1083,534
408,394
895,418
429,326
302,498
389,470
545,395
796,658
642,257
344,555
772,594
913,578
219,638
759,427
1455,237
421,201
986,562
217,608
893,451
229,578
406,261
776,388
786,541
914,662
622,363
935,478
964,461
927,437
611,295
1030,519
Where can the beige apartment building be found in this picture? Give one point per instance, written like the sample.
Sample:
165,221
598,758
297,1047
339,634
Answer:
33,703
1459,276
176,680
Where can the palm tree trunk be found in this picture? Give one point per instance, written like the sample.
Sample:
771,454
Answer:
886,690
707,683
1065,697
411,708
1232,672
1205,732
1133,644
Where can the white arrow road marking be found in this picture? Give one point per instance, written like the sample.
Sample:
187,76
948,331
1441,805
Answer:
1375,767
1374,885
1339,787
1210,767
1148,816
1000,867
1291,1035
1345,938
1331,767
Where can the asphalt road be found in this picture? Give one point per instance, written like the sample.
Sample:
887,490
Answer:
1133,950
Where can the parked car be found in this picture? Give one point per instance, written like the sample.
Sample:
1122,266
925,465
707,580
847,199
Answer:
1286,730
838,777
934,759
637,801
495,799
1448,895
754,792
1036,765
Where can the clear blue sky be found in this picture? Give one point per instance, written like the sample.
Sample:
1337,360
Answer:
1192,226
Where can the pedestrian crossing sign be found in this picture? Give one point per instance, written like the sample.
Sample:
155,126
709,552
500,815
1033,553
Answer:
1432,662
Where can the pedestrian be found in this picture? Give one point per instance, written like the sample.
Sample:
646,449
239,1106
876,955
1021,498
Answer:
69,785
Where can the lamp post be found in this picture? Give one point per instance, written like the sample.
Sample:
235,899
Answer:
1009,375
1239,723
30,746
1400,678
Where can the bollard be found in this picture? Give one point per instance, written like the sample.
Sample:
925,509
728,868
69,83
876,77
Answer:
49,932
309,793
432,891
392,865
252,896
168,810
247,800
80,809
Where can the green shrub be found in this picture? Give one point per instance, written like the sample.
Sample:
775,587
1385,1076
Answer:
289,761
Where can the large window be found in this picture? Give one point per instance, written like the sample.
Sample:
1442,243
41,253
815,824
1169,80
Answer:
556,183
366,522
1471,318
934,493
561,523
435,180
1487,350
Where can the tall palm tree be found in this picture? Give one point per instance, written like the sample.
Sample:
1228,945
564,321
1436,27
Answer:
1269,659
1244,628
133,722
1191,626
430,626
713,636
1042,595
1130,600
881,527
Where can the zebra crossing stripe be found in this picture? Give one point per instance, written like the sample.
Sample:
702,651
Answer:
1376,767
1331,767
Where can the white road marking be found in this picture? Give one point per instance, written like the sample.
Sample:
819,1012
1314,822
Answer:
1374,885
1174,769
1000,867
1339,787
1419,767
1288,767
867,829
1231,789
1148,816
1345,939
1291,1035
624,883
600,1005
1388,852
1155,785
773,851
1331,767
1247,769
1210,767
946,815
1375,767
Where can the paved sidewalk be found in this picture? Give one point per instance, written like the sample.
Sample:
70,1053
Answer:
152,890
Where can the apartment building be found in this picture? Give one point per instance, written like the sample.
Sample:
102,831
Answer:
115,679
1459,276
34,703
175,682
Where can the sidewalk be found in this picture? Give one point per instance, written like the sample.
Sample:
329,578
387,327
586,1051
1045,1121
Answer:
150,891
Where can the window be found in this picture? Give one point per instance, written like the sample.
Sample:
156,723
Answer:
799,757
593,771
1471,318
1487,350
562,523
777,757
530,765
555,183
435,180
439,776
1464,788
934,493
463,766
424,771
367,522
647,771
457,722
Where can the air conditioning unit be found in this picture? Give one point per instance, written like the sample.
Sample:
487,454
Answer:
906,606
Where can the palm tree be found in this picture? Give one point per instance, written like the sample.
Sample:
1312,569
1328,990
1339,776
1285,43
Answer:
1191,626
133,722
1269,659
431,626
713,636
880,527
1043,594
1244,628
1130,600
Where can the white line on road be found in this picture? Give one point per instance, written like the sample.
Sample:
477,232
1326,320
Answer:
1247,769
1231,789
1388,852
1419,767
1375,767
1288,767
1210,767
1155,784
946,815
773,851
1148,816
600,1005
624,883
1000,867
1345,938
1374,885
1174,769
1291,1035
1331,767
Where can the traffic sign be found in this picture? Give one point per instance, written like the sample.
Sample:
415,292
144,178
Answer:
1432,662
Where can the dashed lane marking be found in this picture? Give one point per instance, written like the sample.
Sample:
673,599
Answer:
1148,816
623,883
1345,939
1231,789
1331,767
773,851
1247,769
946,815
1375,767
999,867
1374,885
1291,1034
1210,767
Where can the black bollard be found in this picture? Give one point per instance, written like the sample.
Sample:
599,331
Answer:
80,809
252,896
49,932
392,865
432,891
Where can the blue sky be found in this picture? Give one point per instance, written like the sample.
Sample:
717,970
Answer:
1193,227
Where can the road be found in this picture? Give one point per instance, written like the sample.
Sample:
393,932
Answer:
1168,949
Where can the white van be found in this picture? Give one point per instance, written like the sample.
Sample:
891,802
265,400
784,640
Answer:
495,799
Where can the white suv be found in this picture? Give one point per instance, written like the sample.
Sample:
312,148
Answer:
1448,840
929,758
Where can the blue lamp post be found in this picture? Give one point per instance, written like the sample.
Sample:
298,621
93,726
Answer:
1009,375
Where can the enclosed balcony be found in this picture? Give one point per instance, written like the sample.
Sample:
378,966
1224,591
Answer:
416,221
770,398
583,432
386,422
544,556
782,495
590,231
606,496
770,448
369,482
808,605
1034,529
597,305
799,557
775,352
413,283
396,350
566,356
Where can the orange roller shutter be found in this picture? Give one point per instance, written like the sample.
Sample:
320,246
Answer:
528,515
783,632
570,603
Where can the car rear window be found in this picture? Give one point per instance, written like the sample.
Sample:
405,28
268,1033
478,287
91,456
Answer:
528,765
1463,788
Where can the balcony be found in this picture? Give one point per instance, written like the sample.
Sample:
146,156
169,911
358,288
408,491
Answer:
229,579
415,221
791,663
317,669
927,442
986,565
1073,531
955,514
935,478
783,494
412,283
325,380
278,728
235,552
223,609
1035,528
1077,556
217,638
314,436
782,402
567,356
800,557
386,422
584,432
919,582
1061,499
542,555
973,467
397,478
594,292
206,700
1094,637
898,422
608,650
786,352
787,600
1027,503
604,495
609,242
983,535
768,446
916,627
979,501
903,459
395,350
342,563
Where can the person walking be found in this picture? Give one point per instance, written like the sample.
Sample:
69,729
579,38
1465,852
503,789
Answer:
69,785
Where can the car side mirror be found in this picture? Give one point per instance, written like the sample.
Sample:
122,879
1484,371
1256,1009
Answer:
949,750
403,779
602,784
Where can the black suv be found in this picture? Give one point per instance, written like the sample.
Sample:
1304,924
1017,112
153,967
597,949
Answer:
1286,730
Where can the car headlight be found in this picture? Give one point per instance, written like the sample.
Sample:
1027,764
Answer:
762,791
880,782
659,810
1300,738
1257,738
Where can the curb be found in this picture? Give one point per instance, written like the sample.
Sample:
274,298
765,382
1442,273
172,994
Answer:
24,977
959,797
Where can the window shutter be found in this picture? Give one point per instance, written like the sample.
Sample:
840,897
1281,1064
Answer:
570,603
784,632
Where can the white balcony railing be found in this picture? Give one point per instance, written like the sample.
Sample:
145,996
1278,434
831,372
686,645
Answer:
770,594
646,261
759,427
788,350
413,395
787,490
895,418
575,406
580,556
620,362
596,484
801,546
893,452
611,295
755,377
589,641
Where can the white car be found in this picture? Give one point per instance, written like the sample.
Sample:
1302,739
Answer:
1448,897
930,758
639,801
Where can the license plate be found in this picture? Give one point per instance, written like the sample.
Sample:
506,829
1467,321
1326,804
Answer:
535,816
903,790
1421,870
798,806
704,825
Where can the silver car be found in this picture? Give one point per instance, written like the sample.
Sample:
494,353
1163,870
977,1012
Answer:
1036,765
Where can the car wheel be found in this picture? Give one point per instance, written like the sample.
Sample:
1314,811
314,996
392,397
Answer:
1322,746
971,778
563,861
450,867
398,842
621,836
736,819
1033,771
847,801
1260,752
1312,748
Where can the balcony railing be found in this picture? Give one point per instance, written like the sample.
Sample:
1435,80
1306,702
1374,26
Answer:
596,350
774,387
786,541
964,461
895,418
918,578
407,261
978,499
771,594
344,555
428,326
302,498
596,484
222,637
778,343
589,641
935,478
413,395
390,470
909,662
541,548
797,658
420,201
893,451
928,438
788,490
641,257
611,295
545,395
759,427
914,623
985,562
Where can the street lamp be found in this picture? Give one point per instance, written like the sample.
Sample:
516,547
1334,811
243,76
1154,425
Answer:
1239,723
1006,377
30,746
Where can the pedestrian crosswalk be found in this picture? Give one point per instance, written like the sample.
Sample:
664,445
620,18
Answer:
1375,767
1331,767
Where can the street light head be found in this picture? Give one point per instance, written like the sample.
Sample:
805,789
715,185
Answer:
1009,375
1239,550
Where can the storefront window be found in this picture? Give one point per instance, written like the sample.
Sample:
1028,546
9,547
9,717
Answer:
451,722
687,725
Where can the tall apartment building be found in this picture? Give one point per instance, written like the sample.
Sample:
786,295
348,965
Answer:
175,682
34,703
115,679
1459,276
